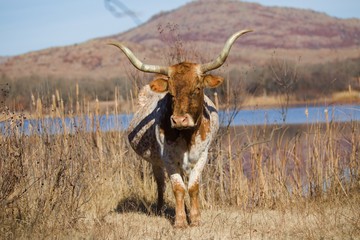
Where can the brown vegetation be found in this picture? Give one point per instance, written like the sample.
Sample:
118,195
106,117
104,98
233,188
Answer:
260,182
334,82
304,82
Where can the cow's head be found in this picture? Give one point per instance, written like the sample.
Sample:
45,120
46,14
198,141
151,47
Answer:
185,82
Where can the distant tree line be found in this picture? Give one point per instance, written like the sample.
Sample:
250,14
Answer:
305,82
21,93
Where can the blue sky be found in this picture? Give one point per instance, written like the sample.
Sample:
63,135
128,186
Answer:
37,24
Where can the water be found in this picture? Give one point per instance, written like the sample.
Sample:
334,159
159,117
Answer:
69,125
318,114
336,113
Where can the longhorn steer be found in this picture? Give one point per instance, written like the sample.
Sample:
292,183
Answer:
175,124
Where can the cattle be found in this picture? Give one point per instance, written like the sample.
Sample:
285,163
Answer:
174,125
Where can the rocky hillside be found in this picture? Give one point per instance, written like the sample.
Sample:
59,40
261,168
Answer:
197,32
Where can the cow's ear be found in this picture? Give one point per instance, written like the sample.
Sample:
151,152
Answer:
212,81
159,84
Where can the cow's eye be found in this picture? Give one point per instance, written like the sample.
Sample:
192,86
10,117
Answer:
196,92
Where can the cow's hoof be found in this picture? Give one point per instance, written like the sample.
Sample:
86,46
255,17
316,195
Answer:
195,219
195,224
180,225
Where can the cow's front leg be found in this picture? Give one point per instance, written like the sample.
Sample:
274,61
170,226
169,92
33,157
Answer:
178,187
193,188
194,201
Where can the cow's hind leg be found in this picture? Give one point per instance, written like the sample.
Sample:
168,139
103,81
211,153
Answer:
160,181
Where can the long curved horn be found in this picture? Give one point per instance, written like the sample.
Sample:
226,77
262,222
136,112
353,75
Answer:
224,53
138,64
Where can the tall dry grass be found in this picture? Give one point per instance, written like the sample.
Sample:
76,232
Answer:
67,185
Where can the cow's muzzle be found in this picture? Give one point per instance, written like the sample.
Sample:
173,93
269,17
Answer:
181,122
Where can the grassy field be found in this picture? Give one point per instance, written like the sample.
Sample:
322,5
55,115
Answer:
264,182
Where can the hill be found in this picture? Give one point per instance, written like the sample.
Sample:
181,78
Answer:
199,29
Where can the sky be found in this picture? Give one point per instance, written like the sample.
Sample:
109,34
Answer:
38,24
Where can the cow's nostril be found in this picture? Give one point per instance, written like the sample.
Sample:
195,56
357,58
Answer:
181,121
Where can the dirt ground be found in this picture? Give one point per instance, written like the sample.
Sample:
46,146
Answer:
340,220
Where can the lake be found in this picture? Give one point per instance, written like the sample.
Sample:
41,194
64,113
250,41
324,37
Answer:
295,115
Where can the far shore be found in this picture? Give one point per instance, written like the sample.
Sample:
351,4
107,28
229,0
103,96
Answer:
128,107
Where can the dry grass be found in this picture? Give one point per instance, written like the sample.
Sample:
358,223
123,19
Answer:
346,96
266,101
274,182
308,222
